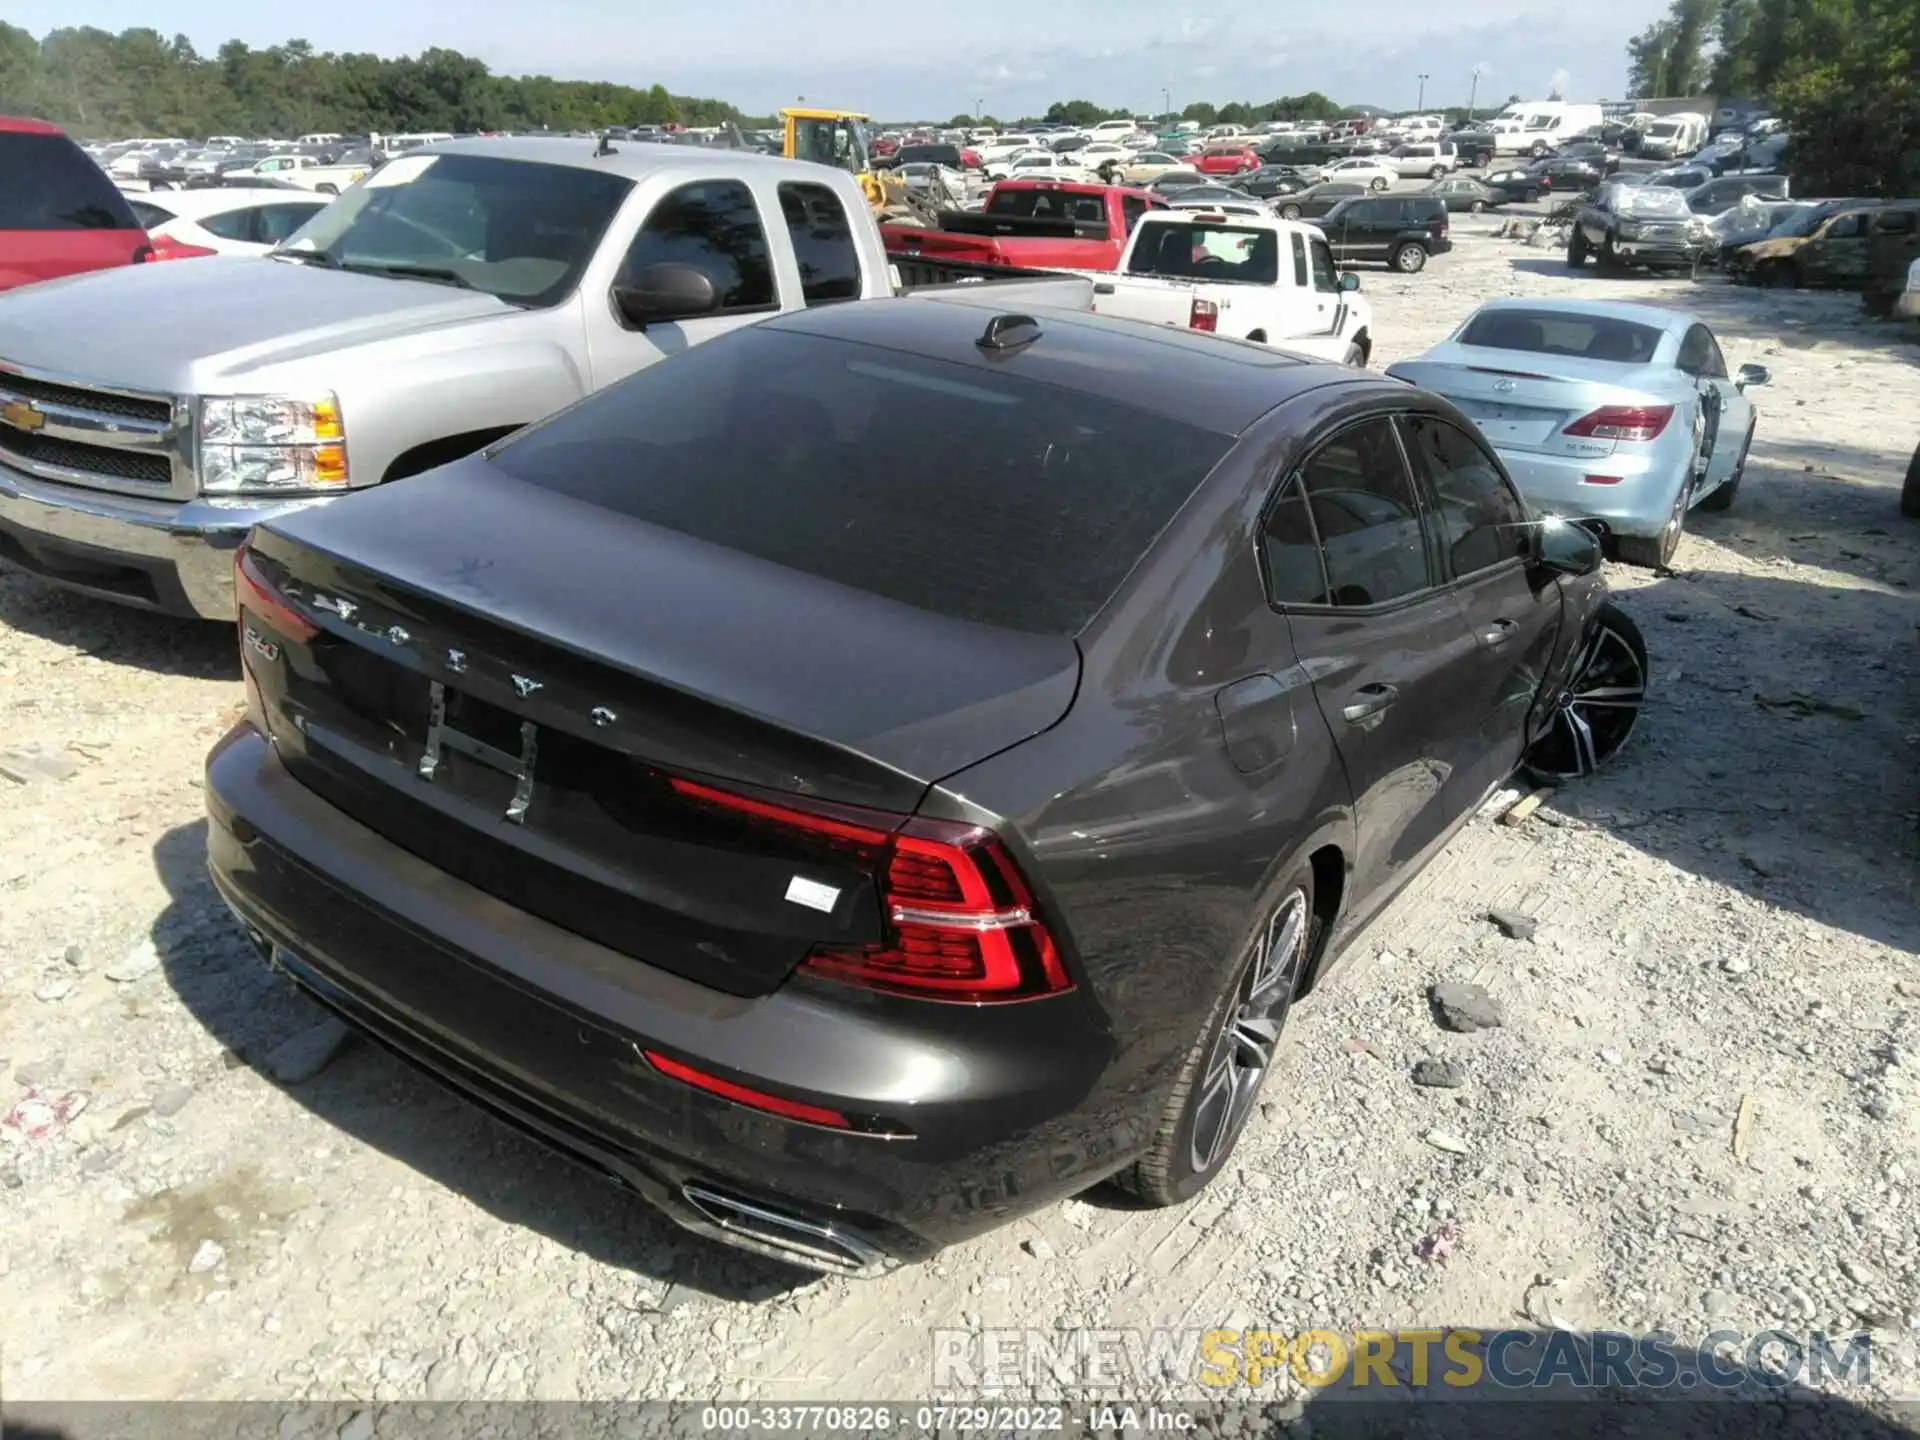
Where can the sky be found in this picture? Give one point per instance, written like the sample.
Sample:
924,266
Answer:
1010,57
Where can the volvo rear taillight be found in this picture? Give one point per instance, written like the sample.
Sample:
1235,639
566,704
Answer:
257,600
1622,422
960,919
1205,315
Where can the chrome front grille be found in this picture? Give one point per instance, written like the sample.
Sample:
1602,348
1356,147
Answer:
71,433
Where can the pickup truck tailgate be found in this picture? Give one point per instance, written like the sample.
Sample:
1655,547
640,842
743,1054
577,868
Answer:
1156,300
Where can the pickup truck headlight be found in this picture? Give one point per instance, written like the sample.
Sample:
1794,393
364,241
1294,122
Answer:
271,443
1629,230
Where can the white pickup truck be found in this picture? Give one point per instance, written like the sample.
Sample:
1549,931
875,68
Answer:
307,172
1245,276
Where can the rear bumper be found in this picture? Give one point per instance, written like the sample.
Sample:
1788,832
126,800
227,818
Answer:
1638,504
545,1030
156,554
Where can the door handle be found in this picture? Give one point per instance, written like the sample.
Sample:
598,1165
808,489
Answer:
1368,701
1498,633
1103,288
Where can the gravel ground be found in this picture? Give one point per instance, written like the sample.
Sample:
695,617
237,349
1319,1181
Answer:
1724,925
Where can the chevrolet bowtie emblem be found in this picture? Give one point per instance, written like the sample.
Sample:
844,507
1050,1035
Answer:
23,415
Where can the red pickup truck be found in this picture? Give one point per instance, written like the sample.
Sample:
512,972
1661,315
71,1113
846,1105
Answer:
1033,224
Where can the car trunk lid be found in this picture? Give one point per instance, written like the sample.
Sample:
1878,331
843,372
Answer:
549,718
1516,404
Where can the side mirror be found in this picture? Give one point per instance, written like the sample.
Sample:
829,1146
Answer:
1566,548
1349,281
1752,375
660,294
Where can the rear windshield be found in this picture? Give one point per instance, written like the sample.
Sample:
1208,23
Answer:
1549,332
48,183
1012,503
1079,207
948,155
1234,254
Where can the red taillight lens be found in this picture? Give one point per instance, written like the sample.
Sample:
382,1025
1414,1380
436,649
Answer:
142,254
254,592
1601,479
961,923
1622,422
165,247
1205,315
745,1095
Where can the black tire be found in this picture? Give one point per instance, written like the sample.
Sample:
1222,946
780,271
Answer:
1481,158
1408,259
1530,195
1378,183
1609,257
1777,275
1721,497
1438,172
1477,206
1289,212
1577,249
1357,358
1595,716
1174,1169
1910,492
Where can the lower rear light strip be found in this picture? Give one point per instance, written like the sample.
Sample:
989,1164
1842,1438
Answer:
745,1095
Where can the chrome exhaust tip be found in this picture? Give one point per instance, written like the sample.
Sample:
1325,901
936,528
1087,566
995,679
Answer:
751,1225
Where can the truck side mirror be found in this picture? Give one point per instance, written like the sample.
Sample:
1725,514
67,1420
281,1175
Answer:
661,294
1349,280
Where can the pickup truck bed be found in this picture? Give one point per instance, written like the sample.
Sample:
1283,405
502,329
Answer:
1032,224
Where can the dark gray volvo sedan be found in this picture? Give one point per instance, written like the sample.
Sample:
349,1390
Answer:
894,766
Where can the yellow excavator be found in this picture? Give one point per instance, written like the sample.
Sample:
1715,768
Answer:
839,138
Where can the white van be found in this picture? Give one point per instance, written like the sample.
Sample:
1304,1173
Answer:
1111,130
1672,136
1534,127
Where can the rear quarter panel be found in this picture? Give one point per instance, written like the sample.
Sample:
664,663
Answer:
27,256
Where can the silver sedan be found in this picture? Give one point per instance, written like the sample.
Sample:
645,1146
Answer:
1622,415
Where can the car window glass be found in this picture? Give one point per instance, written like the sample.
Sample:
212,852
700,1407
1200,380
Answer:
1693,357
1483,521
1132,207
822,243
274,223
232,225
713,226
1364,514
1894,222
1299,260
1326,278
151,217
1295,574
1847,227
1716,364
48,183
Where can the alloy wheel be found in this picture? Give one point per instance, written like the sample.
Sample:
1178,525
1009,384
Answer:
1249,1033
1596,714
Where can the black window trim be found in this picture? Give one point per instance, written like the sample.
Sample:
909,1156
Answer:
1430,502
773,269
1292,474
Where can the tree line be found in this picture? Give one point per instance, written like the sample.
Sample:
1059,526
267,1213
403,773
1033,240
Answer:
1844,74
138,82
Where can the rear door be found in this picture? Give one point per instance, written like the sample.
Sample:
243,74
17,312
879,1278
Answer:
1382,639
1483,543
1838,255
1728,411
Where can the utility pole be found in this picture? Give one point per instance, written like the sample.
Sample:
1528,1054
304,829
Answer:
1473,90
1166,98
1421,104
978,108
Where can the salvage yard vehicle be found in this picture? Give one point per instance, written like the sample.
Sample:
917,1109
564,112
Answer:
59,215
1518,186
1227,160
186,224
797,852
1893,268
306,171
1036,224
1368,170
1622,415
1837,253
1250,277
1317,200
1645,225
1144,166
1431,159
1460,192
1399,231
148,417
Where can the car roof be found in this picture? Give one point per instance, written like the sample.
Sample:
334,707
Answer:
1193,379
1657,316
25,125
633,159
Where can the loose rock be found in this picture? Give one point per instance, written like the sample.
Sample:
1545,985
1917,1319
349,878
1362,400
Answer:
208,1256
1439,1074
308,1053
172,1100
1512,924
1466,1007
141,960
